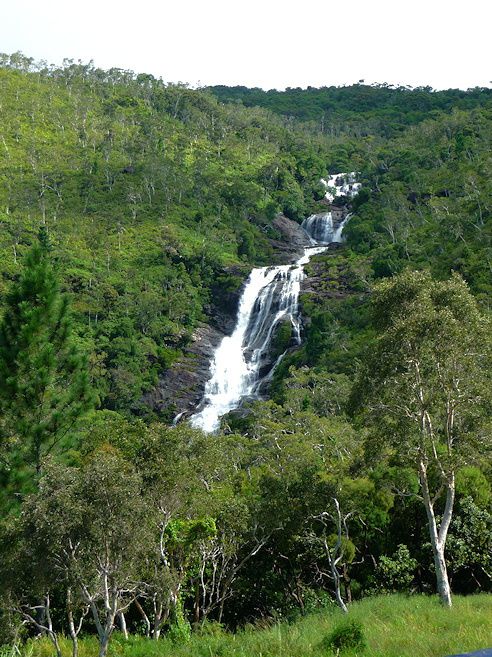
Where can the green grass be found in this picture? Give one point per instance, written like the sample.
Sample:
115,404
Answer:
394,626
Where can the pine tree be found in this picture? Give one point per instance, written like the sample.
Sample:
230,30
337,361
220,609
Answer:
44,383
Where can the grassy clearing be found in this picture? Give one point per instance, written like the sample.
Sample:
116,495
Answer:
394,626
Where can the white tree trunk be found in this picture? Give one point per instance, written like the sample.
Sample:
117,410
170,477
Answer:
438,535
336,585
443,587
103,645
123,628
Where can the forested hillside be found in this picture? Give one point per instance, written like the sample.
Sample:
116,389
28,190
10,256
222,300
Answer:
130,210
359,109
149,191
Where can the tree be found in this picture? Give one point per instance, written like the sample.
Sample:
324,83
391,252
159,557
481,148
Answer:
423,387
83,534
44,383
338,547
187,475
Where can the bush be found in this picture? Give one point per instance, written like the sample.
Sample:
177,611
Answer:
396,573
345,635
180,629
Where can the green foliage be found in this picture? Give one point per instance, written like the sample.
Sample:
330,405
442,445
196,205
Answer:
431,335
282,339
158,199
150,192
397,572
306,389
183,534
359,109
345,636
425,387
470,542
394,626
44,379
472,482
180,629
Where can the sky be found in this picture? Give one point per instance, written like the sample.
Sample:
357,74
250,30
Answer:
263,43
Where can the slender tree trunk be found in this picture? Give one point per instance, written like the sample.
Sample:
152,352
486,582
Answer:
438,536
221,609
71,625
122,620
103,645
160,616
196,605
145,618
347,582
54,638
336,585
443,587
53,635
75,646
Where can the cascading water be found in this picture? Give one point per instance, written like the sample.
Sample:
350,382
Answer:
242,362
270,296
322,230
341,184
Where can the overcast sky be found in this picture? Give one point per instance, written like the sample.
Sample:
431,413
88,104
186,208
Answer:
265,43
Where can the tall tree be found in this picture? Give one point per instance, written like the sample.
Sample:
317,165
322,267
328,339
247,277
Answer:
80,537
44,383
422,387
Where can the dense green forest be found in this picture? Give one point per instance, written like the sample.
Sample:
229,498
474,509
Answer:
360,109
127,207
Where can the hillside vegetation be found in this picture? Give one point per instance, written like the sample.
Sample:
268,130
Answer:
392,626
359,109
148,191
127,207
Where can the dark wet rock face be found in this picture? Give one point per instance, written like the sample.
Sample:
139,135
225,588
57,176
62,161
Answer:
292,241
226,294
181,387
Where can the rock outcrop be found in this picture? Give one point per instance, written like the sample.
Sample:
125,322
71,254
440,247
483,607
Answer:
181,387
292,241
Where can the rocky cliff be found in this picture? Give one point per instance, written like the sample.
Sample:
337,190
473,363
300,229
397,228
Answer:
181,387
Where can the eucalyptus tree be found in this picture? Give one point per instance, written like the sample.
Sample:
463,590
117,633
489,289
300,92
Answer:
424,387
187,477
83,536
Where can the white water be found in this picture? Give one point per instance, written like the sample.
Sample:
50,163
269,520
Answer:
341,184
321,229
271,296
242,362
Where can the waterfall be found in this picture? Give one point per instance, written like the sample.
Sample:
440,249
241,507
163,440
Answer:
243,362
321,228
341,184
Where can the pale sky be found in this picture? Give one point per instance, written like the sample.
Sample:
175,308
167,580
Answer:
264,43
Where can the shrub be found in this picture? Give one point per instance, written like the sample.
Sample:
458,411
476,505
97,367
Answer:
396,573
345,635
209,628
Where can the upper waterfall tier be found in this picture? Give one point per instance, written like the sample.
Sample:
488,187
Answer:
341,184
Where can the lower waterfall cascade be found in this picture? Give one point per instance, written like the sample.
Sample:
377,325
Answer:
241,365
